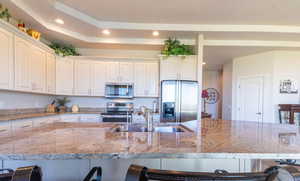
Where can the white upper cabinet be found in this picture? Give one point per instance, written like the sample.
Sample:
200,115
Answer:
51,71
98,78
37,69
139,79
152,79
121,72
112,72
189,68
126,72
6,60
82,72
146,79
177,68
22,65
64,76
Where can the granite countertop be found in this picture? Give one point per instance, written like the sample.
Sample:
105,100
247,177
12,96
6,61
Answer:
211,139
43,114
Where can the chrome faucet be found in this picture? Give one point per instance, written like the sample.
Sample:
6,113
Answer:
148,115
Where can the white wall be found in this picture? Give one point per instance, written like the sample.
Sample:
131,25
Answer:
273,66
251,66
227,91
16,100
212,79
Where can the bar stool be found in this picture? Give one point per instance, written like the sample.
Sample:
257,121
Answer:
140,173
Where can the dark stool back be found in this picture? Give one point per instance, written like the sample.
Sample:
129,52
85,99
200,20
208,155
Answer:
140,173
31,173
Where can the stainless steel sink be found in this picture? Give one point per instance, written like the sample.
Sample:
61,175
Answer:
142,128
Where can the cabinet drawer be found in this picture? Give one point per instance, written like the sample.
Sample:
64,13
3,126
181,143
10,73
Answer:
69,118
20,125
5,127
93,118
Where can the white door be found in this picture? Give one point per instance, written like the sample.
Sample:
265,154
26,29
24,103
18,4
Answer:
82,81
112,72
250,99
189,68
22,61
6,59
37,69
126,72
152,79
140,79
64,76
170,68
98,78
51,73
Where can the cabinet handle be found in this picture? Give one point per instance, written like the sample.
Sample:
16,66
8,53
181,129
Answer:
26,126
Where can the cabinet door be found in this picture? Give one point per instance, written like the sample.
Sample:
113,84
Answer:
126,72
37,69
170,68
51,87
82,77
64,76
112,71
98,78
140,79
189,68
6,60
22,61
152,80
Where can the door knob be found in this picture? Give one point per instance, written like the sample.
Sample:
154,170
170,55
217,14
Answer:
259,113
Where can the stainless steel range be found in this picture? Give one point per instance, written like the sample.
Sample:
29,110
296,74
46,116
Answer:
118,112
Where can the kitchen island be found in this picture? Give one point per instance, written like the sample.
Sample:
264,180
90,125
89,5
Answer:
207,139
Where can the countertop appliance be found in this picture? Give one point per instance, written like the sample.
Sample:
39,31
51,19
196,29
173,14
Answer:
179,100
119,90
118,112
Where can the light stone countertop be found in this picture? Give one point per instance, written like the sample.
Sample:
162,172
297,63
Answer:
211,139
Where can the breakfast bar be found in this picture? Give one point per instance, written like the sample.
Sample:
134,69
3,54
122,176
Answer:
208,138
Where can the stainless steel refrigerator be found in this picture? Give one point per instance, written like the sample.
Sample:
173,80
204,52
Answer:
179,100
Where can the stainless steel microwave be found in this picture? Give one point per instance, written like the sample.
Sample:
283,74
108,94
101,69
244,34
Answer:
119,90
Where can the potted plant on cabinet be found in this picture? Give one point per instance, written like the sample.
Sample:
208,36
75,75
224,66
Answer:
174,47
62,104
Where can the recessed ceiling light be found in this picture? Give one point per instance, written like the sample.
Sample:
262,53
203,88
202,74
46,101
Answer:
155,33
59,21
106,32
203,63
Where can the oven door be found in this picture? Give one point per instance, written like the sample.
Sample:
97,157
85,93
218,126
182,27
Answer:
113,90
117,118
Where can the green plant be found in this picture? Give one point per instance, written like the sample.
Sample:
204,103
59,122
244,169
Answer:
4,13
64,50
173,46
63,101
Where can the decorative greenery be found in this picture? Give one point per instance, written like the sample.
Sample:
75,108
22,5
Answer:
63,101
173,46
64,50
4,13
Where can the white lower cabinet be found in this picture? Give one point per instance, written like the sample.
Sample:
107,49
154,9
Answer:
90,118
22,124
116,169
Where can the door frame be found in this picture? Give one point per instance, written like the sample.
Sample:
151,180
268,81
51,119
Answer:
238,101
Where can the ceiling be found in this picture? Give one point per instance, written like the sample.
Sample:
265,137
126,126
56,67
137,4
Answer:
131,23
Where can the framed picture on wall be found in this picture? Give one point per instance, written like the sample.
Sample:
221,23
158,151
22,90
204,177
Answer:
288,86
